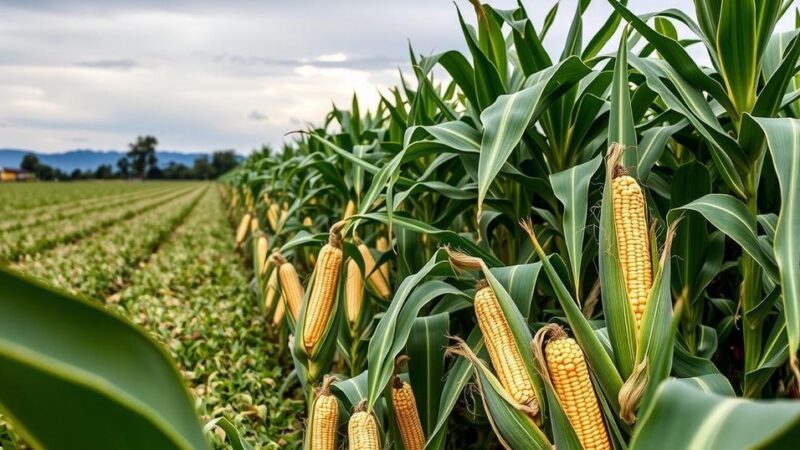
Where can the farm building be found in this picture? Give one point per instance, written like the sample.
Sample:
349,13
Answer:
9,174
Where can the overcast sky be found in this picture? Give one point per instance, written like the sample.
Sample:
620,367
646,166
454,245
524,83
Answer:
202,74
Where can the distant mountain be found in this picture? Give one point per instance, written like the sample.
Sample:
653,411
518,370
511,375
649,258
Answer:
89,159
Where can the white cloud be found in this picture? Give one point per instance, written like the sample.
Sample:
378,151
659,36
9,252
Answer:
200,75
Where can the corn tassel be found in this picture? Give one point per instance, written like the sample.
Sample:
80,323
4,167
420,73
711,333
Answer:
573,386
291,288
407,416
376,279
241,231
503,351
633,242
362,430
382,245
354,292
324,418
323,289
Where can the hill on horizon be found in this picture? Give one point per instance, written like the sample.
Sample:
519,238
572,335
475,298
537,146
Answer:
86,159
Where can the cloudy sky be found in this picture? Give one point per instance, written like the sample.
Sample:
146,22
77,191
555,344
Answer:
202,74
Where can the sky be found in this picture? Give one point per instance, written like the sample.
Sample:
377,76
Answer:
203,75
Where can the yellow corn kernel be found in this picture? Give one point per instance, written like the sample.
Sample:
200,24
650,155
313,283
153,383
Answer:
570,377
262,244
291,288
324,420
376,279
254,226
323,290
349,210
362,432
307,222
633,242
271,291
503,351
241,231
407,416
382,245
272,216
354,292
280,311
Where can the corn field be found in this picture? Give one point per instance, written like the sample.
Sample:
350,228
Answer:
593,248
522,249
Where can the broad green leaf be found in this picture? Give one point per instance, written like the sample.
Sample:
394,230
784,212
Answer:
783,140
732,217
736,49
571,187
426,345
687,418
127,391
620,122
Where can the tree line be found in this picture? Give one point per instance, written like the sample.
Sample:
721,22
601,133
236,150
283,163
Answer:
140,162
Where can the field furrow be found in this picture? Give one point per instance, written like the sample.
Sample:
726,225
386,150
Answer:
193,297
98,266
26,242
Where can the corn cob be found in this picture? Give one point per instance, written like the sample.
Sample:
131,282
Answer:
307,222
573,386
503,351
261,253
362,430
376,279
354,292
632,242
271,291
349,210
382,245
248,199
324,418
291,288
323,289
254,226
280,311
272,216
241,231
407,416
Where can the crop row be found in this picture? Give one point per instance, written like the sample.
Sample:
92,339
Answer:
98,266
80,208
18,198
26,242
194,298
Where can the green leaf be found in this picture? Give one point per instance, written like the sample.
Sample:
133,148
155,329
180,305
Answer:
736,49
426,345
732,217
687,418
127,391
621,128
783,140
506,120
571,187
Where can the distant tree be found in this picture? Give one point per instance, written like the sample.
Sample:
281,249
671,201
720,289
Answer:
223,161
123,167
142,155
154,173
30,163
176,171
76,174
202,168
103,172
